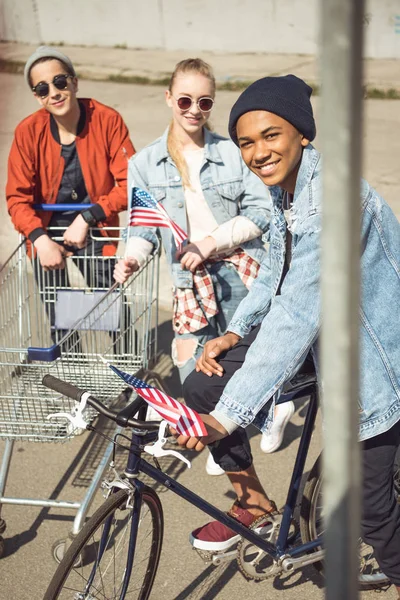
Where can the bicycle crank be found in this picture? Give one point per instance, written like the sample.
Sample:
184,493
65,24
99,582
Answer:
216,558
253,562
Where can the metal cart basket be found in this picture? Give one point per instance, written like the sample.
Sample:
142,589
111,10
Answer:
61,322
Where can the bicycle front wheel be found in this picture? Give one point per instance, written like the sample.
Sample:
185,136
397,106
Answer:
95,563
311,526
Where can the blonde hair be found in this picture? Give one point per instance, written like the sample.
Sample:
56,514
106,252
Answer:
189,65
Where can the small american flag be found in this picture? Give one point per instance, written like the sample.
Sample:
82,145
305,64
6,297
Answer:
185,420
146,211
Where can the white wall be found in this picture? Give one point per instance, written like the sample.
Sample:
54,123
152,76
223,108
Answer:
276,26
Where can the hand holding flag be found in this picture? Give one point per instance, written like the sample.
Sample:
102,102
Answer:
184,420
215,432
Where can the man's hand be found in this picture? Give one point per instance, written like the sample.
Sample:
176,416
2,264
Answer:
212,349
76,234
194,254
124,268
215,432
51,255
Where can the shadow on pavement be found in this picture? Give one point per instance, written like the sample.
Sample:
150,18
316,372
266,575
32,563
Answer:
209,583
14,543
212,580
297,578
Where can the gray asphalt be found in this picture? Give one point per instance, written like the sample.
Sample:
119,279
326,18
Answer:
64,471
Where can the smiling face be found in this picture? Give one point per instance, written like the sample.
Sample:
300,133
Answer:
195,86
271,147
58,102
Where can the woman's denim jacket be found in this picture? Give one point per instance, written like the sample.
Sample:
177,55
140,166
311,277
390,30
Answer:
291,320
229,188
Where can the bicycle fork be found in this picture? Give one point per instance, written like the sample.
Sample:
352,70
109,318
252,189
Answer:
135,489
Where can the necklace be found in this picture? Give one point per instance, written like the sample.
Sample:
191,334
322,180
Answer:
74,163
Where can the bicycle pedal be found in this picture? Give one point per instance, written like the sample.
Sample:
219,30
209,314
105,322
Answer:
216,558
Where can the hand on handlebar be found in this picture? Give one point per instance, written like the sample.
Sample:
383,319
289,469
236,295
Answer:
76,234
51,255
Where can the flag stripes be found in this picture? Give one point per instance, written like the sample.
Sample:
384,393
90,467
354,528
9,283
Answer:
185,420
147,212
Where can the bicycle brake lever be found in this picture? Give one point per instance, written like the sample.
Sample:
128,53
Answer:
75,417
157,449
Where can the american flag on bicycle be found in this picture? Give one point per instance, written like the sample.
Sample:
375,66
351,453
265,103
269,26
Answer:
185,420
146,211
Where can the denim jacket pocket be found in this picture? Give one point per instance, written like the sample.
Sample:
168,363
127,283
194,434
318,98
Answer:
159,193
229,194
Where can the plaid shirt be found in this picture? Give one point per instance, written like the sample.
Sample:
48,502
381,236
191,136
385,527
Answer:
192,308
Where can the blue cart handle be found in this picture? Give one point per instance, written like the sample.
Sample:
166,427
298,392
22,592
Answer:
61,207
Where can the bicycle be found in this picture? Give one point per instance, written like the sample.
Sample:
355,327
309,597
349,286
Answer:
118,550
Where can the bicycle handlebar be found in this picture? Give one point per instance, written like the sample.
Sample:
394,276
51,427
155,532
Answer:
62,387
123,418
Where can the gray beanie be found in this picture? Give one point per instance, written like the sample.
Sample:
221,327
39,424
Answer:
46,52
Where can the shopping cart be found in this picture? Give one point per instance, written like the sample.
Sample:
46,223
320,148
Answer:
61,322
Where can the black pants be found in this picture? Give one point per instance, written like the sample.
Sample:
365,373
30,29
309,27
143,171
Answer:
381,511
202,393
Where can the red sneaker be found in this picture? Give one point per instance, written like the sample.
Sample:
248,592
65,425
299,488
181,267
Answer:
216,537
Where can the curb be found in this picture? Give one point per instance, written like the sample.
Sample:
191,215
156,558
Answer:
118,76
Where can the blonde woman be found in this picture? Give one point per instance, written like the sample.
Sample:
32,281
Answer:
203,184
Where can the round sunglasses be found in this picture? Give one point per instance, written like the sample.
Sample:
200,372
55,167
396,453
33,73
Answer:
204,104
60,82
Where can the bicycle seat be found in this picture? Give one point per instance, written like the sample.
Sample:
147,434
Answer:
302,384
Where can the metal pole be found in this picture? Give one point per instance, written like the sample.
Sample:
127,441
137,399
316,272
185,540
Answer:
340,118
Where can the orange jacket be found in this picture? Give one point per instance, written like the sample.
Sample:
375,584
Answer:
35,166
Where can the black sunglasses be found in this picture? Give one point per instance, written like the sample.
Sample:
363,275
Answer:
42,89
204,104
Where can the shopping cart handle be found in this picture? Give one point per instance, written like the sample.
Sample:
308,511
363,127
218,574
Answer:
44,354
61,207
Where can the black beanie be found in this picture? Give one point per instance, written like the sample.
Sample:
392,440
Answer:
288,97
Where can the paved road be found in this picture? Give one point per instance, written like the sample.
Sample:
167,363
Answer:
64,471
98,63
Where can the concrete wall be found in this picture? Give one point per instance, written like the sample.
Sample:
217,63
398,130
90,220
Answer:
276,26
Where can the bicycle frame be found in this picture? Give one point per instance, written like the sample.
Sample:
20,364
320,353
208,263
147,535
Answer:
280,550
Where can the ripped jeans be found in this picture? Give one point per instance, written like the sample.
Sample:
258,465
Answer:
229,292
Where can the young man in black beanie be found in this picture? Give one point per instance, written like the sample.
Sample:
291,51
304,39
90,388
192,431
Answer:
276,326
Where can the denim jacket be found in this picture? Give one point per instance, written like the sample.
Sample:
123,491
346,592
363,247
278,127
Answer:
291,320
229,188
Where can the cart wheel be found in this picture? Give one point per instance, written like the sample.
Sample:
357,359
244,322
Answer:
59,549
2,546
2,526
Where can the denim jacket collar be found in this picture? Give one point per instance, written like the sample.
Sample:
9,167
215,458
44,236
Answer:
309,161
211,152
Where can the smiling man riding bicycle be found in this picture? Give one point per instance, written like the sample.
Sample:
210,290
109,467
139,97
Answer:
277,325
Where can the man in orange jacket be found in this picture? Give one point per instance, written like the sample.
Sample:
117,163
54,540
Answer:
71,151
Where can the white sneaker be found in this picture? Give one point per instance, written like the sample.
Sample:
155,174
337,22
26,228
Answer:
212,468
271,441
